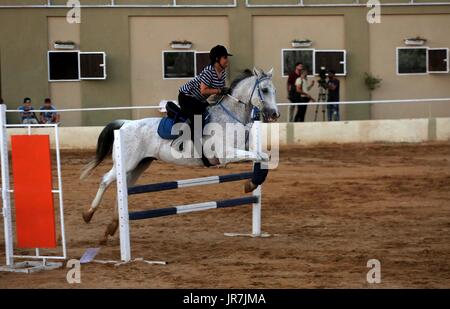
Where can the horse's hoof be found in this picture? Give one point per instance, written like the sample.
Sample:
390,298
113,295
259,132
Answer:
112,228
249,187
87,215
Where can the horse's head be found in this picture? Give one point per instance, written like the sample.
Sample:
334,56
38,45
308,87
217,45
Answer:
264,95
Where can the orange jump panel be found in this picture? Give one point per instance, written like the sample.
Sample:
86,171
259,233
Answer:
32,179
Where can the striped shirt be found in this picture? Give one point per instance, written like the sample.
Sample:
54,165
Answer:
26,112
209,77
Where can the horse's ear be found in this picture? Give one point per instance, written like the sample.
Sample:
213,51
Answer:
257,72
270,73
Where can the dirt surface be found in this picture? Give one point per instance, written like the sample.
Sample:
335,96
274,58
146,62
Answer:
330,209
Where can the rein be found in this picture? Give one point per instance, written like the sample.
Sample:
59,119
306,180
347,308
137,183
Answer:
260,96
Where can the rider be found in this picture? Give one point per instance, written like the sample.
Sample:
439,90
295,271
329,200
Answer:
211,81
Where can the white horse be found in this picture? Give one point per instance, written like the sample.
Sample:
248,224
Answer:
142,144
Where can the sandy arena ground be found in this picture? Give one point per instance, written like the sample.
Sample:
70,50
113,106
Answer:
331,208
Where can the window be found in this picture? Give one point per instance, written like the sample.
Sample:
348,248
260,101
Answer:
92,65
184,64
291,56
63,66
178,64
313,60
411,60
331,60
76,65
438,60
202,60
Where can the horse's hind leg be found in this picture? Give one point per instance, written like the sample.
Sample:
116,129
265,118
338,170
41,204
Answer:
132,177
107,179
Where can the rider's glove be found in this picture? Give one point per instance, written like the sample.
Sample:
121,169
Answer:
225,91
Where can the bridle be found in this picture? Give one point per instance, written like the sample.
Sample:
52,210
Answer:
260,97
258,90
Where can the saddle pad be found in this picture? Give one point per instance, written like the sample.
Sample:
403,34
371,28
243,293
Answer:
166,124
165,128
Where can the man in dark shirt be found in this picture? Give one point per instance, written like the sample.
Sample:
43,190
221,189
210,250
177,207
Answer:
333,96
293,96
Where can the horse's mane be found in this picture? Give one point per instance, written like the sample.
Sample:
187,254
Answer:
245,74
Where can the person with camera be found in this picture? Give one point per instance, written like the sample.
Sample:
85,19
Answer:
303,87
293,95
333,96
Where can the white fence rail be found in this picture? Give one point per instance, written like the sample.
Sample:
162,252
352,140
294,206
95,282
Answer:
116,108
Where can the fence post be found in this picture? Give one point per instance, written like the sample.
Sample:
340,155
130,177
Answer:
256,207
122,197
6,199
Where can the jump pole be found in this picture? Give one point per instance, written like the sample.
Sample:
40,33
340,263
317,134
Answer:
123,192
256,207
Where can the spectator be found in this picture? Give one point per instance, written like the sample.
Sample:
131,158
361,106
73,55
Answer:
1,101
333,96
291,89
27,116
48,116
303,87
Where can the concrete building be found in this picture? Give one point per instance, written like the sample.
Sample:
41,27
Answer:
135,37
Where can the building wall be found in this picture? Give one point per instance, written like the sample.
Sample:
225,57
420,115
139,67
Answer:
23,51
384,41
64,94
149,36
23,38
271,34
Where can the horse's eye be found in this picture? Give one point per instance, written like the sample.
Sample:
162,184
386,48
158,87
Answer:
265,90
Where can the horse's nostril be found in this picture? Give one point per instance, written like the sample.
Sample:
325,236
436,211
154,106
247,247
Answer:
275,115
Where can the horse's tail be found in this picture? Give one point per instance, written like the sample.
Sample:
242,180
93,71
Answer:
104,146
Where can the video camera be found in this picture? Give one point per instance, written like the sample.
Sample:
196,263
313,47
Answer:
323,77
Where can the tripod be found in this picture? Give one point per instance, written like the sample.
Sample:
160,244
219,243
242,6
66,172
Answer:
323,95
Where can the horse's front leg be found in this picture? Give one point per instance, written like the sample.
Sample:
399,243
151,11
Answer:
238,155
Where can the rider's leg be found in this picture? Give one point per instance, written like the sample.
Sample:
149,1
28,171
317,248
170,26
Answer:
190,107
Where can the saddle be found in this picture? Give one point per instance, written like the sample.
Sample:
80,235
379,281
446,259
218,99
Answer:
174,116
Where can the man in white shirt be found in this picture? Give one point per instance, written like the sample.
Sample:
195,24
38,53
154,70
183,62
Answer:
303,87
